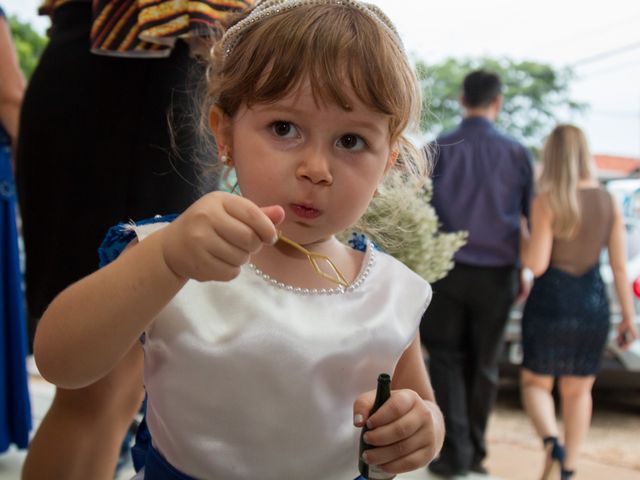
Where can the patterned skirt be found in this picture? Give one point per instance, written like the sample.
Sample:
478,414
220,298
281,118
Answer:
565,323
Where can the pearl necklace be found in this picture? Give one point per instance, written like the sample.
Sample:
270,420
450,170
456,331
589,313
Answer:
321,291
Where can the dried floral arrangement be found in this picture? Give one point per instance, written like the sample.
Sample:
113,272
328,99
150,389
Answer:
402,222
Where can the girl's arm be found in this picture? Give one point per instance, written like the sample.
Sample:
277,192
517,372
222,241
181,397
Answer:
407,432
92,324
11,83
411,373
535,249
617,250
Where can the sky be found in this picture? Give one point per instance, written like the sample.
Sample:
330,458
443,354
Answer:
600,39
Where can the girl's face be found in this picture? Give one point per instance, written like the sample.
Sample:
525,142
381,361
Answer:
321,163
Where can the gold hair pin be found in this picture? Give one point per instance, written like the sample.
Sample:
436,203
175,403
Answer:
313,260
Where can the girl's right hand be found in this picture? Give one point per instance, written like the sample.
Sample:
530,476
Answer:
216,235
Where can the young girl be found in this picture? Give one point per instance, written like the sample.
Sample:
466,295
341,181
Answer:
566,319
256,366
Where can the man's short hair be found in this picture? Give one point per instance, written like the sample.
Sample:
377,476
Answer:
481,88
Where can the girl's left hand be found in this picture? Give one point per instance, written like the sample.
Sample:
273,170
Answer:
406,433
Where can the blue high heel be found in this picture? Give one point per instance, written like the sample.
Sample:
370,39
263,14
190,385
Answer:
553,468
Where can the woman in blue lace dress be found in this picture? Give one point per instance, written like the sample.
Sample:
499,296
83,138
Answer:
565,324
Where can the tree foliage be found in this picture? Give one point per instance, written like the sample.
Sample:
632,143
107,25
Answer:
29,44
534,93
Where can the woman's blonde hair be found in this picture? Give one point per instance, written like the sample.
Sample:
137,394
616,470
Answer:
565,161
340,50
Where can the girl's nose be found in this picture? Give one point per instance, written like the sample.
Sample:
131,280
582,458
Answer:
315,167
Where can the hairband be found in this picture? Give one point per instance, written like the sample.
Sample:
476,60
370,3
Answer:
269,8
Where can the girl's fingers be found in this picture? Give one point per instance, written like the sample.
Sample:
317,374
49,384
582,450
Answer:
275,213
228,251
251,215
206,264
401,429
236,233
413,461
400,403
393,452
362,406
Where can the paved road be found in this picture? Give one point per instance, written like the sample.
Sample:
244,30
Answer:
611,450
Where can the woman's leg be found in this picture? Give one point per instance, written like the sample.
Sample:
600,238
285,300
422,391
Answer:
575,395
537,399
81,434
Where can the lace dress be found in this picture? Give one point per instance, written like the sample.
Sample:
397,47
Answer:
565,323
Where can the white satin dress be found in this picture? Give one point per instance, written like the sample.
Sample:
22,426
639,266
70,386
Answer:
249,379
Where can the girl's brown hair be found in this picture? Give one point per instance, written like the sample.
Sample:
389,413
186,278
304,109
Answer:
340,50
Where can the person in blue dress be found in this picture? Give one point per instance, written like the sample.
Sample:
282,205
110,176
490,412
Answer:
15,412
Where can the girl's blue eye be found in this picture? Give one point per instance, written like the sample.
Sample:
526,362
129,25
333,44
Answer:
284,129
351,141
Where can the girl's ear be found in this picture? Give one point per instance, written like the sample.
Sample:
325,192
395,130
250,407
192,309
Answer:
220,125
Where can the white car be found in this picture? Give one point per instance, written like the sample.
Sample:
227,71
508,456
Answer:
619,368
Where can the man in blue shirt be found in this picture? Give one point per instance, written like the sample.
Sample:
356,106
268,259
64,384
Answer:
482,183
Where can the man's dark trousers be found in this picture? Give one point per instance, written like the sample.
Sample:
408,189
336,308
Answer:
463,330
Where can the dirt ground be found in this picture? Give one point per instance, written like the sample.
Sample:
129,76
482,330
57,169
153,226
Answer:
611,450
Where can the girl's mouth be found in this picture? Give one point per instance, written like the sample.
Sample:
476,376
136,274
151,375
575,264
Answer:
305,211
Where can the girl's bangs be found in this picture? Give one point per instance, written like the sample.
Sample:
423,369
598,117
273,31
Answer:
339,51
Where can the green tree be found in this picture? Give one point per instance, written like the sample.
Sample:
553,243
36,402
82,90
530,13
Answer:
29,44
534,93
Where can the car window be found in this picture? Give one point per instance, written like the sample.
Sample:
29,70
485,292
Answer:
626,192
630,207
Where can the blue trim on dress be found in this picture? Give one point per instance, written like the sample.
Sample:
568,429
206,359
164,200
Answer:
121,235
359,241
